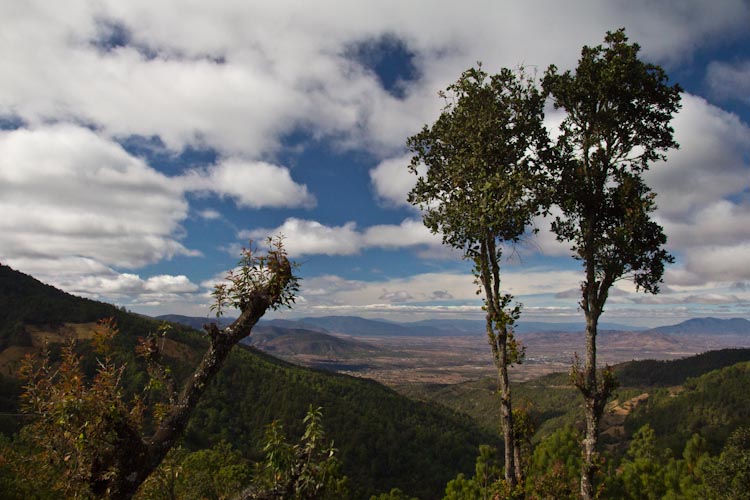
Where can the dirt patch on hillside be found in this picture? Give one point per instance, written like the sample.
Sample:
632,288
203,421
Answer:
11,357
59,335
613,420
178,350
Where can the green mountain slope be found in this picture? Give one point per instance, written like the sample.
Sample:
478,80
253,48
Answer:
554,402
652,373
384,439
712,405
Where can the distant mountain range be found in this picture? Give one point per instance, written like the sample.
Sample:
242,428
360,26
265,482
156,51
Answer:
706,326
283,341
363,327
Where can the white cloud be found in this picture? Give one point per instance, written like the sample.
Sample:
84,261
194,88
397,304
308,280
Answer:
730,81
410,232
170,284
88,278
64,191
392,180
719,223
238,76
726,263
712,161
441,286
396,296
308,237
209,214
328,284
76,206
250,184
700,195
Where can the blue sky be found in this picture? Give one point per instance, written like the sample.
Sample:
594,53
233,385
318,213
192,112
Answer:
142,143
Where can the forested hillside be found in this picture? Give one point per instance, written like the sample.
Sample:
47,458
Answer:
384,440
694,406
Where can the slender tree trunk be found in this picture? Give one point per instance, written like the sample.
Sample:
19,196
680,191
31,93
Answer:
506,410
497,334
517,459
592,417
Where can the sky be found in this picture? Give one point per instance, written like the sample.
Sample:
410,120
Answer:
143,143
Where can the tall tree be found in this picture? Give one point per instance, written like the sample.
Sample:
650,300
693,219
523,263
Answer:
478,192
98,437
618,112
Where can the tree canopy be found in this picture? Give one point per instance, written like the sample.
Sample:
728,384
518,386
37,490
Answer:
617,123
480,192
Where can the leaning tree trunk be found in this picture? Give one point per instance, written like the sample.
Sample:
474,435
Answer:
137,457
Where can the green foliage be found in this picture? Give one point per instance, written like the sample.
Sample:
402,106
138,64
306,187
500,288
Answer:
642,472
384,440
270,272
308,470
98,440
480,175
618,111
480,192
24,300
24,474
486,483
216,473
480,186
555,466
77,424
617,114
462,488
727,477
394,494
712,405
650,373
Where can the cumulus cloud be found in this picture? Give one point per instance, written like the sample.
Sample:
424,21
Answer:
71,197
250,184
396,296
328,284
719,263
705,298
238,78
65,191
410,232
700,195
223,76
209,214
446,286
391,180
712,162
87,277
307,237
729,81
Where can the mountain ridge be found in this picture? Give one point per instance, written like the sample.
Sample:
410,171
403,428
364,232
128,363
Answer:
363,327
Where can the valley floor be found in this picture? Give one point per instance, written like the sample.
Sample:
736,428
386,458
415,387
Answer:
395,361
